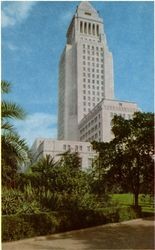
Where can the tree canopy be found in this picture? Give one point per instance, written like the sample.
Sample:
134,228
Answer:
128,158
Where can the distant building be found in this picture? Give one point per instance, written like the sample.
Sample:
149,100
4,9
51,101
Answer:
96,125
85,71
55,148
86,90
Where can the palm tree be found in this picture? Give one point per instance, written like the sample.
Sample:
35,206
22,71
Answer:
14,149
43,174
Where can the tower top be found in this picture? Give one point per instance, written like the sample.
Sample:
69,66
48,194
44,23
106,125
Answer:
86,6
86,10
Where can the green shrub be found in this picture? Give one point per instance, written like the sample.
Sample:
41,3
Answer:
16,202
18,226
15,227
128,213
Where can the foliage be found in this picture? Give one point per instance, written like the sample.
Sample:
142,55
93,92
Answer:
59,186
14,149
15,227
16,202
128,213
128,158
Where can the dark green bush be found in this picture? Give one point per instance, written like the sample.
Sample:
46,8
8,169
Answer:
70,220
128,213
15,227
16,202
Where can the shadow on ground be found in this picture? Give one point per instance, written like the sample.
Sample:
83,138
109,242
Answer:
117,236
136,234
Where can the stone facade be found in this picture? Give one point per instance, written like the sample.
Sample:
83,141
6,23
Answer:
86,90
85,71
55,148
96,126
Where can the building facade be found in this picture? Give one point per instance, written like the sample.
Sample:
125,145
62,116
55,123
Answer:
56,148
85,71
96,125
86,91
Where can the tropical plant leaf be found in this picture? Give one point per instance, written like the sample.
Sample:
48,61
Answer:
11,110
5,87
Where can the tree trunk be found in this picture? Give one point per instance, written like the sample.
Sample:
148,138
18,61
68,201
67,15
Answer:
136,199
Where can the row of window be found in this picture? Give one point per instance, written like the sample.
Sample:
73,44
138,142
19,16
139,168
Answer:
93,64
93,76
125,116
92,123
95,93
94,87
92,47
76,147
95,137
91,98
92,70
89,104
94,81
125,109
89,39
92,52
92,58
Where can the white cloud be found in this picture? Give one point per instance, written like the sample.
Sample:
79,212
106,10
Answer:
15,12
37,125
11,46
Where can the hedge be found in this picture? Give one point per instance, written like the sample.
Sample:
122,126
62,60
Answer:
15,227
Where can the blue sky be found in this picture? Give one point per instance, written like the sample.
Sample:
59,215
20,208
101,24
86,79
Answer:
33,37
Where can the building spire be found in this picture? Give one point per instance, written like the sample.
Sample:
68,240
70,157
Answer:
85,5
85,9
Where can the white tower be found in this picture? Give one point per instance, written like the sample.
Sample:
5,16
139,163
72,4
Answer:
85,71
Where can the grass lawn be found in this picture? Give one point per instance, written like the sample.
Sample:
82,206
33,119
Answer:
128,199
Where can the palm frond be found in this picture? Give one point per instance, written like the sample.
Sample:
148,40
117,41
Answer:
5,87
12,110
14,147
6,126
